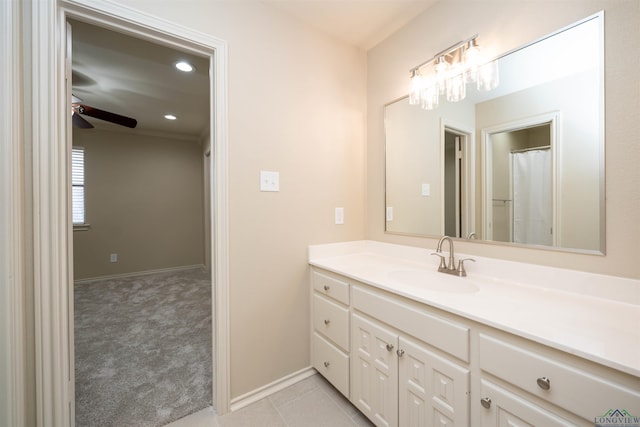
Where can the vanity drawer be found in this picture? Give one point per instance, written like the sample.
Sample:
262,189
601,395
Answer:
330,286
444,334
332,320
508,409
332,363
577,391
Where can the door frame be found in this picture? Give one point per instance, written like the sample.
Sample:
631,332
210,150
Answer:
468,171
50,128
554,120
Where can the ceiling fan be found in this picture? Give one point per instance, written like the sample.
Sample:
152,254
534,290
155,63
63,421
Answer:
78,108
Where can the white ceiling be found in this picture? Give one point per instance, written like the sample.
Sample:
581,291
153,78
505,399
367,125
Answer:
360,23
136,78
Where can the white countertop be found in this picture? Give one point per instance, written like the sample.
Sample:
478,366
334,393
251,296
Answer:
593,316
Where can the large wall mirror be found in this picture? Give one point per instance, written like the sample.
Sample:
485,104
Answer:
521,164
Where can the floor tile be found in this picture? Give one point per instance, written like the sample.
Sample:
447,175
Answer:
259,414
295,391
316,409
204,418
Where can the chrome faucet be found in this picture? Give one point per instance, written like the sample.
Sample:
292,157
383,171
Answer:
450,268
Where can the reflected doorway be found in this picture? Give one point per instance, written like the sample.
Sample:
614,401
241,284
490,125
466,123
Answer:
520,186
457,194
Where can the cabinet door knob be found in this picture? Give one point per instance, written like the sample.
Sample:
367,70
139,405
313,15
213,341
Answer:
326,287
544,383
326,364
327,321
389,347
400,352
485,402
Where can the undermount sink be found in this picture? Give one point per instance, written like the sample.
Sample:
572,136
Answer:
434,281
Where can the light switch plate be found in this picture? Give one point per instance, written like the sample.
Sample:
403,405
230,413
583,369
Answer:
269,181
426,189
389,213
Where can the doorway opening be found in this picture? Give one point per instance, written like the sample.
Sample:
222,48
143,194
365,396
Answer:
458,206
519,181
210,157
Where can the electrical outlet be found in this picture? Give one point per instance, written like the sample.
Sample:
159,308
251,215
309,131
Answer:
113,258
269,181
339,216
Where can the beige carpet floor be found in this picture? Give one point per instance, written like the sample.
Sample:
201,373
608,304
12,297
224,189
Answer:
142,349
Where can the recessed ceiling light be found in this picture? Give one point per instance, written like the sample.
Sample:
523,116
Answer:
170,117
185,66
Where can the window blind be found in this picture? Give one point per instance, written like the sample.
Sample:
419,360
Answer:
77,185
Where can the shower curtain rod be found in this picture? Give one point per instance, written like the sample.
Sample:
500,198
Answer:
523,150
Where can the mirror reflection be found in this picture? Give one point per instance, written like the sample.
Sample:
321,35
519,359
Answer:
521,164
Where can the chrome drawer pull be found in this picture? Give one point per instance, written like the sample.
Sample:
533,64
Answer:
327,321
544,383
326,364
389,347
327,287
485,402
400,352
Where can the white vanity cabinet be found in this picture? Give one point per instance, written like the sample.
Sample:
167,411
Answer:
403,362
397,379
533,373
330,323
374,370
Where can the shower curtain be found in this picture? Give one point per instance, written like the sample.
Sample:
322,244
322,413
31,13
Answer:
532,197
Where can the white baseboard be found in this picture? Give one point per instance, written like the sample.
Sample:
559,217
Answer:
269,389
138,273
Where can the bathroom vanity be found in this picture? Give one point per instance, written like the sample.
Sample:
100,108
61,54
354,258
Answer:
512,344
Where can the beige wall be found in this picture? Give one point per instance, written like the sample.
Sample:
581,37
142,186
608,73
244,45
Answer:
296,106
144,201
506,25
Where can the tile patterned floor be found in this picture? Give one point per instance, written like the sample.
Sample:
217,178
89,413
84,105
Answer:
312,402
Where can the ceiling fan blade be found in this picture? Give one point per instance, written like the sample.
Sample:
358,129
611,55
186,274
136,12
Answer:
80,122
107,116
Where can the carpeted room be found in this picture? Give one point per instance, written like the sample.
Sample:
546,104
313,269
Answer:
142,318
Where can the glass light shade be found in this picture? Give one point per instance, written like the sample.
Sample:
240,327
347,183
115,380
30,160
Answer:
429,97
416,87
456,87
488,76
442,71
471,61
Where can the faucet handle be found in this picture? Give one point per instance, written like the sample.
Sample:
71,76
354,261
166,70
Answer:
461,271
443,263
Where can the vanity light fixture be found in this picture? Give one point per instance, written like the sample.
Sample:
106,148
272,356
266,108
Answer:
448,73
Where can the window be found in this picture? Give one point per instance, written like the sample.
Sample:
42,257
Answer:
77,186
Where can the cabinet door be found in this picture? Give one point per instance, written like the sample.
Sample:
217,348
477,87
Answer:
502,408
432,390
374,371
